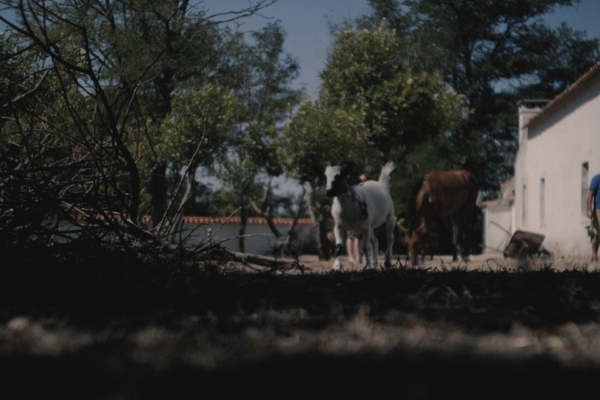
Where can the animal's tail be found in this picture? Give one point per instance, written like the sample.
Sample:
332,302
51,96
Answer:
386,171
411,207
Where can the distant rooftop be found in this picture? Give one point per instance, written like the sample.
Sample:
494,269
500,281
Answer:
237,220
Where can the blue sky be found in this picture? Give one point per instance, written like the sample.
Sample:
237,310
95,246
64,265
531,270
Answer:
306,23
308,37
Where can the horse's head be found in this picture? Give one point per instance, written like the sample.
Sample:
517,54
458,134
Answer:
414,239
336,178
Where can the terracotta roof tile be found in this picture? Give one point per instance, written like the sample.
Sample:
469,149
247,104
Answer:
592,75
193,219
189,219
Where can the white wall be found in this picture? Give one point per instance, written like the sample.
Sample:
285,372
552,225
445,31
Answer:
555,152
520,180
259,238
497,228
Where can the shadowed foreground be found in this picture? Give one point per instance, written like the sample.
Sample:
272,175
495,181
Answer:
147,332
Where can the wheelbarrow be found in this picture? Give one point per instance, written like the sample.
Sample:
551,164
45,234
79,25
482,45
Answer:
524,244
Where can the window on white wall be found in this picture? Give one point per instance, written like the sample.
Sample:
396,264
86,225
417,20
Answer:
524,205
543,201
585,182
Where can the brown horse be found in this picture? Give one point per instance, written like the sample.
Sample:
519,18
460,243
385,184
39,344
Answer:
448,194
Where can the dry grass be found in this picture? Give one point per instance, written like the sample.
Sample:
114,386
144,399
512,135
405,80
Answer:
478,262
485,329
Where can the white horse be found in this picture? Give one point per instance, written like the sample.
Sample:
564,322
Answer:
360,209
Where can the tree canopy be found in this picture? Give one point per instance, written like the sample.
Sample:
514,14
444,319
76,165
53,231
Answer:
495,53
434,85
130,93
109,108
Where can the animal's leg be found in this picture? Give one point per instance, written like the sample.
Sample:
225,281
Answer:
450,234
353,248
466,224
339,247
427,248
359,251
433,237
389,227
368,248
455,242
375,249
463,245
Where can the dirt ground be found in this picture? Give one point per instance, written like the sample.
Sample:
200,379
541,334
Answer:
477,262
491,328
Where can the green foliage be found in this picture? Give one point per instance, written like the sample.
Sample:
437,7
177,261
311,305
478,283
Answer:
240,177
262,86
495,53
369,70
63,149
126,91
318,133
592,233
373,107
266,98
201,119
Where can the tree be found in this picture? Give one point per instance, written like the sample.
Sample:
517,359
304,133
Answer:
181,49
319,133
197,129
373,107
406,108
126,77
403,105
262,85
157,50
69,151
316,134
495,53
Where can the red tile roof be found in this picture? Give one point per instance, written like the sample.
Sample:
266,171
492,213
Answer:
189,219
591,76
192,219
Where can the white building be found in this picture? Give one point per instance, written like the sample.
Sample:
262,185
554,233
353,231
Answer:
497,227
559,153
225,231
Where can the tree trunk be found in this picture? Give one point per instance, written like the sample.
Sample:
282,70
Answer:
189,199
282,241
243,220
158,193
176,223
324,248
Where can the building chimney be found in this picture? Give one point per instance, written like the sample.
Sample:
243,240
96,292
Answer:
527,110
